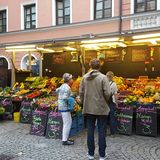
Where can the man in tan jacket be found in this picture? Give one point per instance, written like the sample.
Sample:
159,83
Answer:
95,93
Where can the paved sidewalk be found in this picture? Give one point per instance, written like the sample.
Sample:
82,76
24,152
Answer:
17,144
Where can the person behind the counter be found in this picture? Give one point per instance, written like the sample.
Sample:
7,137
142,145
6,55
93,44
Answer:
112,103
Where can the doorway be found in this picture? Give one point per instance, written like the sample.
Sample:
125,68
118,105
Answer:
4,72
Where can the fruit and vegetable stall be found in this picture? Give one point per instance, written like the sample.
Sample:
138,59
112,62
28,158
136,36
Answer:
139,106
35,101
137,112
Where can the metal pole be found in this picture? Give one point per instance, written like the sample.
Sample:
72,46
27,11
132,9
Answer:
120,17
30,61
82,58
13,76
40,65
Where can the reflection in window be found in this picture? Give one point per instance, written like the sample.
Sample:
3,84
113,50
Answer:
3,21
63,12
103,9
30,16
145,5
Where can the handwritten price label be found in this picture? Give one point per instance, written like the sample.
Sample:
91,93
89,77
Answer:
124,114
54,125
146,120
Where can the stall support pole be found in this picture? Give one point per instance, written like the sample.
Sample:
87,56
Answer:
83,66
30,62
40,65
13,76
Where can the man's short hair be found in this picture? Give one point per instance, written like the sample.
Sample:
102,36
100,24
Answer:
95,63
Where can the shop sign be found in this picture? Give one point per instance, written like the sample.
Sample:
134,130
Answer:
74,56
139,55
58,58
113,55
89,55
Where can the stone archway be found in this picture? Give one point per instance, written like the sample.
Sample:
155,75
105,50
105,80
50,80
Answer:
34,64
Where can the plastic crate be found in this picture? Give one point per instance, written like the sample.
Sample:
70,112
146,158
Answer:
80,127
74,122
80,120
73,132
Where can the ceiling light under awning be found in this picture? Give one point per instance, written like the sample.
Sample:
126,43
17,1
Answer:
110,44
100,40
70,48
146,40
20,50
153,42
21,47
146,36
90,46
45,49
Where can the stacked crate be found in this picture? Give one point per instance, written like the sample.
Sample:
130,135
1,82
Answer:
77,124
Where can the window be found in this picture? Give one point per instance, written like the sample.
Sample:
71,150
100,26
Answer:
145,5
3,20
63,12
30,16
103,9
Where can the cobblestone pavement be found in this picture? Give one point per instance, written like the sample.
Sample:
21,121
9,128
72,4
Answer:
17,144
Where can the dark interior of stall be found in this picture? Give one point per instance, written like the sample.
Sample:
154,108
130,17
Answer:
137,61
58,63
129,62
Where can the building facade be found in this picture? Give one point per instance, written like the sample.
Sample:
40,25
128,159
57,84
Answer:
27,22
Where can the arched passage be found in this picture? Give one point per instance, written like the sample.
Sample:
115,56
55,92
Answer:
34,64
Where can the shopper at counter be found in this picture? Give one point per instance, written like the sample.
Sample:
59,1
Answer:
94,94
64,92
112,103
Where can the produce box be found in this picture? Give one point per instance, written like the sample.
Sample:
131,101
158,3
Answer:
77,124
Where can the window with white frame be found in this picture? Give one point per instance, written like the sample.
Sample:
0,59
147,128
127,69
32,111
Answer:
3,21
145,5
102,9
30,16
62,12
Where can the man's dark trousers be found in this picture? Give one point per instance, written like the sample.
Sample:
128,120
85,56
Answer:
102,126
